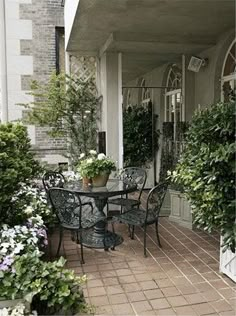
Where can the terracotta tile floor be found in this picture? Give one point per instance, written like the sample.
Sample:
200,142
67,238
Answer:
181,278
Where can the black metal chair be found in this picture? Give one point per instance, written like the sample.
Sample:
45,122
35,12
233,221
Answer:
52,179
72,214
143,218
134,175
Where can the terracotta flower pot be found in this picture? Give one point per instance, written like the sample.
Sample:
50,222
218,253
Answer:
86,181
100,180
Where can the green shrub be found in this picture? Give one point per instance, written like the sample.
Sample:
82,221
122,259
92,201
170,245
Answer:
140,140
17,168
207,170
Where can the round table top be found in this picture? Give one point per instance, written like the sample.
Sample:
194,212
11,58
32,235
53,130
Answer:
113,187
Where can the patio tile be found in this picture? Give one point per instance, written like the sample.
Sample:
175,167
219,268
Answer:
195,298
204,286
148,285
227,313
203,309
159,303
136,296
221,306
151,294
99,300
114,289
185,310
94,283
90,268
96,291
104,310
123,309
211,295
228,293
170,291
176,301
127,279
105,267
118,299
131,287
196,278
174,280
121,272
110,281
219,284
143,277
164,283
107,274
166,312
187,289
142,306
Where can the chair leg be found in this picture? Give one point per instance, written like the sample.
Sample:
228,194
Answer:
60,240
144,241
132,232
158,238
81,248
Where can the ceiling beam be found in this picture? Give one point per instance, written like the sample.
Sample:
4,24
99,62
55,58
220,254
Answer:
142,43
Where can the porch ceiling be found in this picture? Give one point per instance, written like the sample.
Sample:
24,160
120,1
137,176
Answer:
149,32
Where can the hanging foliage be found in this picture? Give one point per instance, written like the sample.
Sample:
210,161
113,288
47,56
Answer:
140,141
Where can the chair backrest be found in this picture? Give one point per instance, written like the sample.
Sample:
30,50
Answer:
155,199
67,206
52,179
135,175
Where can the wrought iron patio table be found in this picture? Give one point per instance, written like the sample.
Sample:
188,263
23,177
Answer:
100,237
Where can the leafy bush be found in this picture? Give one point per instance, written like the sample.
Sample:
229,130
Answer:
17,168
139,142
207,170
49,286
70,107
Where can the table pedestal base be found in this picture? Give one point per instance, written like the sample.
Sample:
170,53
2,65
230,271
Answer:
106,241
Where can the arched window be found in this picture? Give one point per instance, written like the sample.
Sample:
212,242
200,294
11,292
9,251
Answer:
173,97
145,93
228,80
128,98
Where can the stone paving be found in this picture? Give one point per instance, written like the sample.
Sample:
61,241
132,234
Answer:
181,278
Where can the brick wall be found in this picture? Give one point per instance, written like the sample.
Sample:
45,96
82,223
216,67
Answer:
46,15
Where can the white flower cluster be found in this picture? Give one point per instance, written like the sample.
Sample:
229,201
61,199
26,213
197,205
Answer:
15,239
18,310
71,176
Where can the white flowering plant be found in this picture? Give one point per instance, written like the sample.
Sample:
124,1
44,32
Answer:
21,239
94,164
31,201
17,310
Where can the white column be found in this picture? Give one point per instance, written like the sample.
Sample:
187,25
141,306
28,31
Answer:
111,90
3,64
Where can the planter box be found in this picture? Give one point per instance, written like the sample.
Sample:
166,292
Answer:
228,263
165,209
180,209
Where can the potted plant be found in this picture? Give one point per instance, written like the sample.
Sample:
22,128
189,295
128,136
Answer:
96,168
